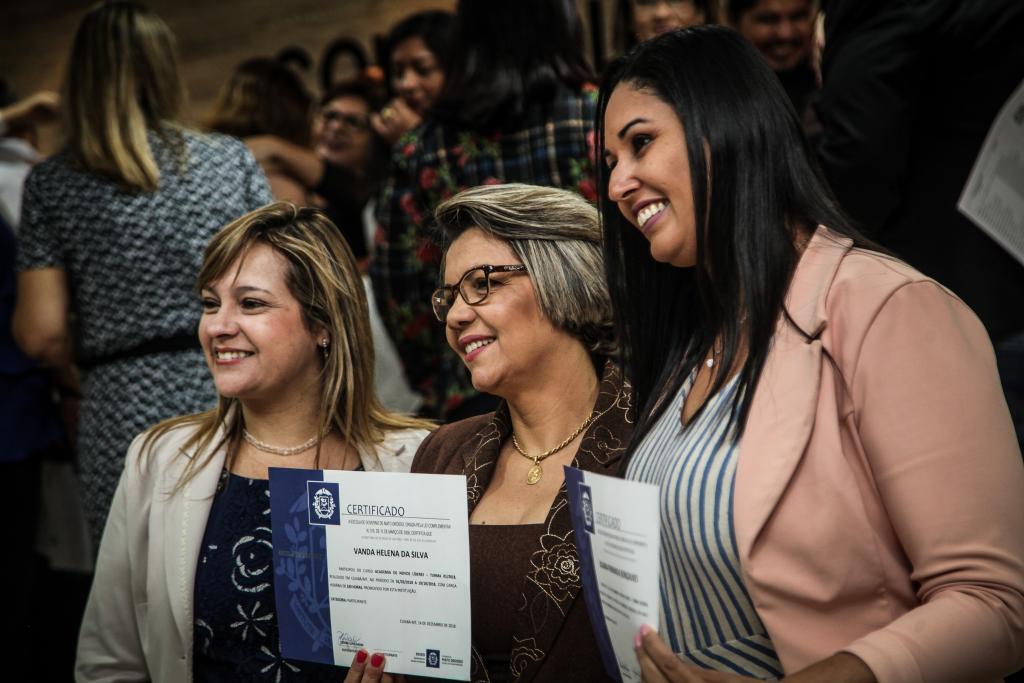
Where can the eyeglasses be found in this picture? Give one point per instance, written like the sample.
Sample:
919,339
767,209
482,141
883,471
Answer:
350,120
474,286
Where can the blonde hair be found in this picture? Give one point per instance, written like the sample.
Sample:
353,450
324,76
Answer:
322,275
556,233
122,81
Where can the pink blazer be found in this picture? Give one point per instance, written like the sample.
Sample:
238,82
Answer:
879,500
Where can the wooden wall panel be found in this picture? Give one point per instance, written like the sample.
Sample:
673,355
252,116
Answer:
213,36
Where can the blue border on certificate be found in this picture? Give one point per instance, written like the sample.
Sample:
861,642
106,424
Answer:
582,512
300,566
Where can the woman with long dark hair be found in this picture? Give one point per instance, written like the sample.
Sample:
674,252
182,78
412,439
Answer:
841,486
414,60
516,107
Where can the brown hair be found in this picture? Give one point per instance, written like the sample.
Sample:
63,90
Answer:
264,97
322,275
122,81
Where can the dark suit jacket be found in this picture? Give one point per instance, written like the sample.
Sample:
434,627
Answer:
911,88
553,637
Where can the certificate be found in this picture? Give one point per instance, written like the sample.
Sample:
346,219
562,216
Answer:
376,561
618,527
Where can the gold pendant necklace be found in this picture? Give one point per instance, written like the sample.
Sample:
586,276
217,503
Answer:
536,472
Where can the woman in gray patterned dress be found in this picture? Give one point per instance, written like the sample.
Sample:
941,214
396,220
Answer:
112,236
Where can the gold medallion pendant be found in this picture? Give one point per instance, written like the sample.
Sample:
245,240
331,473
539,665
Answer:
535,473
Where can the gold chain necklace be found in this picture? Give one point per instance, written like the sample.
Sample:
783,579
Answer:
536,472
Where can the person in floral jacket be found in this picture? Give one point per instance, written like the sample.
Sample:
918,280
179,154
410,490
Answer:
518,106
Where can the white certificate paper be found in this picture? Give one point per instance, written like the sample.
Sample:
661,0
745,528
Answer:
994,194
618,535
375,561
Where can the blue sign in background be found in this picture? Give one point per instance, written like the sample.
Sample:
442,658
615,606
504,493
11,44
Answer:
300,567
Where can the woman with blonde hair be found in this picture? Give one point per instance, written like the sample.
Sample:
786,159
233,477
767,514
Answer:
184,580
112,230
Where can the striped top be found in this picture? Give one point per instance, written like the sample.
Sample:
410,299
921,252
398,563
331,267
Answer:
708,619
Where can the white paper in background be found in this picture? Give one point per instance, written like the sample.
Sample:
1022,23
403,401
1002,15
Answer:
994,194
618,535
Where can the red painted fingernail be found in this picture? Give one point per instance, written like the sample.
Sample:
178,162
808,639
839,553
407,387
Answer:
361,656
376,660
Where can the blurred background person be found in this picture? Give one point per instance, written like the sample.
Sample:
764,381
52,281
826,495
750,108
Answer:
783,32
415,50
265,97
344,170
112,234
517,106
649,18
18,144
908,99
285,332
347,162
28,415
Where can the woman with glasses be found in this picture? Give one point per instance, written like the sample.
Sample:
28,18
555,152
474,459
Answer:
841,486
347,161
524,307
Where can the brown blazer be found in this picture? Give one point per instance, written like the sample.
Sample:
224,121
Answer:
553,637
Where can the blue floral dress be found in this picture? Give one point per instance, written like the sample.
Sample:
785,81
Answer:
236,632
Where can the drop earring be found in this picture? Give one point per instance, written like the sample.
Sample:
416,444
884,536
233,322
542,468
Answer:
324,344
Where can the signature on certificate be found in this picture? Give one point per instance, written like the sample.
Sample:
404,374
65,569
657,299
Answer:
349,639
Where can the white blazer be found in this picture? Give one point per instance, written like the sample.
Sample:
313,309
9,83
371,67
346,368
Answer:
138,620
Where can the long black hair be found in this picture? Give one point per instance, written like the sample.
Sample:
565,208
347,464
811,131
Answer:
507,55
757,192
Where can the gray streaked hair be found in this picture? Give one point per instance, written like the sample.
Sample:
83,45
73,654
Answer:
557,235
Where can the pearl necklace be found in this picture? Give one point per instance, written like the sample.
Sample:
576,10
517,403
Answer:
278,450
536,472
